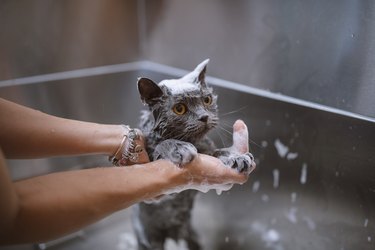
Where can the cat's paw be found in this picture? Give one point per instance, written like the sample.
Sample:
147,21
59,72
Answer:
243,163
178,152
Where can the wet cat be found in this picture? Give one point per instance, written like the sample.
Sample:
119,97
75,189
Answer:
181,112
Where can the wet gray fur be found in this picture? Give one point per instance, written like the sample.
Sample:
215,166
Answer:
177,138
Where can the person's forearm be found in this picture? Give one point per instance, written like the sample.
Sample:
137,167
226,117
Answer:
56,204
27,133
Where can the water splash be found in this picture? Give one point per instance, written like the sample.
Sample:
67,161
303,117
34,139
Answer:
291,156
276,178
282,149
291,215
256,186
265,198
293,197
303,178
264,144
204,187
176,245
310,223
365,223
127,241
271,237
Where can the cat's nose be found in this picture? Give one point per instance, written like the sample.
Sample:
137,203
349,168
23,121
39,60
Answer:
204,118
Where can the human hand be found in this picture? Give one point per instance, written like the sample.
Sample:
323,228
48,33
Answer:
208,169
206,172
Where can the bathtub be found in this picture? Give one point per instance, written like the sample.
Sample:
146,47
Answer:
313,188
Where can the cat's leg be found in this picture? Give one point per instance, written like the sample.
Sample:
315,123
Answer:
149,237
178,152
155,245
192,240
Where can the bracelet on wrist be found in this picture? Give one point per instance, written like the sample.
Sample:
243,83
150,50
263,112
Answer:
129,149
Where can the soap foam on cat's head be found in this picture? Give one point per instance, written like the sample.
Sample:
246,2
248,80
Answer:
177,86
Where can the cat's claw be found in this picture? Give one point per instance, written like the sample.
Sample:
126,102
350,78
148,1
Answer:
178,152
243,163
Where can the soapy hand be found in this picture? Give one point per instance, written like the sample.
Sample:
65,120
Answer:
233,164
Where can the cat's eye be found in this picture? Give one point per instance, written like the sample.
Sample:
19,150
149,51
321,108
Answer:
179,109
207,100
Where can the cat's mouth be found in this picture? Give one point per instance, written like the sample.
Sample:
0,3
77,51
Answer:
204,128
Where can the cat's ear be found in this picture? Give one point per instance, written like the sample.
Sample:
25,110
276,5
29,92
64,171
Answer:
150,92
198,75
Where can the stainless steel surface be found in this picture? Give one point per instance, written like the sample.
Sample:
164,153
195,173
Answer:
319,51
39,37
314,187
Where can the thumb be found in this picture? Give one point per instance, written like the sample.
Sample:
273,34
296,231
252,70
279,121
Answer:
240,137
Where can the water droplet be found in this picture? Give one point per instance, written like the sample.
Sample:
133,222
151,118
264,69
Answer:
369,238
291,215
256,186
291,156
264,144
226,239
265,198
276,178
352,35
303,177
282,149
293,197
366,223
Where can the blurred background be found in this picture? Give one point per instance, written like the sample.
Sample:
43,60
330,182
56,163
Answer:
319,51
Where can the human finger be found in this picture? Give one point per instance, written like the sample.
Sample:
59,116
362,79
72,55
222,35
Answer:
240,137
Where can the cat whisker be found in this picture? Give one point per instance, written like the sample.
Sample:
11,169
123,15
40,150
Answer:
250,140
234,111
227,133
221,138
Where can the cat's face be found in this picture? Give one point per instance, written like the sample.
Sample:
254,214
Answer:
184,108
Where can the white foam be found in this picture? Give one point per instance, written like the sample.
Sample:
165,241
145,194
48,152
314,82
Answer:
256,186
282,149
310,223
127,241
173,245
291,156
264,144
366,223
303,177
271,235
293,197
276,178
176,86
203,187
291,215
265,198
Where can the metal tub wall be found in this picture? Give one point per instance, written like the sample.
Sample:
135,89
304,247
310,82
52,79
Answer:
314,187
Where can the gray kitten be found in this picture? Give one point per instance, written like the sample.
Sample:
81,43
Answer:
181,112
